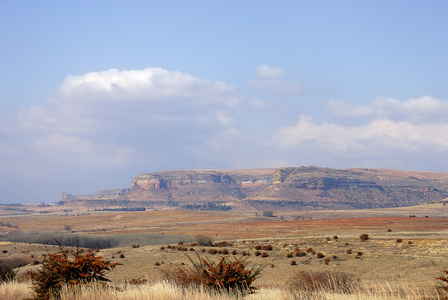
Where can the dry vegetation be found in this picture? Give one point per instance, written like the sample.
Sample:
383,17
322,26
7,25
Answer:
342,265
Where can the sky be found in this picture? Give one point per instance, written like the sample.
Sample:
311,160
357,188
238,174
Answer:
95,92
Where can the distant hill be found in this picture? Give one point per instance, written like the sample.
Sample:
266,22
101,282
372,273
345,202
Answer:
298,188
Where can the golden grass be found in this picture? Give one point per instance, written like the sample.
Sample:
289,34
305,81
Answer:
164,290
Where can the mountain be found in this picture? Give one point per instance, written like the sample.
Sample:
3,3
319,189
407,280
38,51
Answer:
298,188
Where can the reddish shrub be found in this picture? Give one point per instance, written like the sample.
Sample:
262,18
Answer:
293,263
320,255
59,269
137,281
264,255
224,275
300,253
267,248
364,237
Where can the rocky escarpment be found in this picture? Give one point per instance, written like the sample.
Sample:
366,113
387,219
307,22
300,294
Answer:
324,188
200,185
299,188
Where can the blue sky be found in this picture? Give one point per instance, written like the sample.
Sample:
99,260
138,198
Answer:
95,92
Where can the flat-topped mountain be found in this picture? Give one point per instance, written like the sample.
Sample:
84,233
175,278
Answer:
296,188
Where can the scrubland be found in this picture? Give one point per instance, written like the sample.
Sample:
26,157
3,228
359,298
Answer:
400,259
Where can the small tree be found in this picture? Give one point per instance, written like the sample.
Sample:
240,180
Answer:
268,213
58,269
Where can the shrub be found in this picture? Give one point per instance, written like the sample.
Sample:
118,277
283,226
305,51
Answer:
320,255
122,255
268,213
349,251
293,263
212,251
300,253
138,281
7,272
264,255
203,240
224,275
59,269
257,253
257,247
399,240
444,280
289,255
234,252
364,237
267,248
335,237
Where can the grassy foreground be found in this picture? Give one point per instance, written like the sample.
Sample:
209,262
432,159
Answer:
164,290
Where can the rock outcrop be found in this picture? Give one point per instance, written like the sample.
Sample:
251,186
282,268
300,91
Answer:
299,188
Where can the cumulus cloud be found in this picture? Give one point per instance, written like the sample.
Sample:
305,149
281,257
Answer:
379,133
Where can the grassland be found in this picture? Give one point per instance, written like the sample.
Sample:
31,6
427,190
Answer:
404,254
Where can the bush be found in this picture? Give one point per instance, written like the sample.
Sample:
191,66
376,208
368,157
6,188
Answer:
268,213
224,275
59,269
364,237
445,282
7,272
203,240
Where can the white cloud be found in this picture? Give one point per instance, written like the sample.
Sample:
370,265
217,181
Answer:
99,101
268,72
378,136
268,78
342,109
425,109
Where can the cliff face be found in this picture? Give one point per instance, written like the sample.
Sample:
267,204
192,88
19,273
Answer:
201,185
324,188
291,188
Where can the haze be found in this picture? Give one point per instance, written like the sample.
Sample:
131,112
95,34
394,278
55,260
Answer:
95,92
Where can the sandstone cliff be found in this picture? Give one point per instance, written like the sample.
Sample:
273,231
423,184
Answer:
298,188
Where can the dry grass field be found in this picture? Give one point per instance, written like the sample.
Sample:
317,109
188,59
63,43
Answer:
401,249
